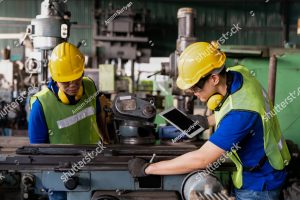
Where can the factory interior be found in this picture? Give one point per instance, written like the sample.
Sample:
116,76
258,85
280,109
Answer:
140,99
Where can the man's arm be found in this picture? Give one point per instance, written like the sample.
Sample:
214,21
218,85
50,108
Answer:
101,102
37,128
234,127
211,120
188,162
222,140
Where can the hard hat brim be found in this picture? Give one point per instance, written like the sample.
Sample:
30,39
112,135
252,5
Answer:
183,85
69,78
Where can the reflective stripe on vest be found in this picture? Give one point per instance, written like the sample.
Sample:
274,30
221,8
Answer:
268,110
69,121
252,97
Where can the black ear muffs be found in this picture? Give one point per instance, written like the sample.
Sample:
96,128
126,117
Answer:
65,100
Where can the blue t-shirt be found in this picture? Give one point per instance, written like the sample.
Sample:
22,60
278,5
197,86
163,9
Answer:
37,127
245,129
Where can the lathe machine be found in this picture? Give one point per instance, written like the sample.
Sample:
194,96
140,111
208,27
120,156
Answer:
34,172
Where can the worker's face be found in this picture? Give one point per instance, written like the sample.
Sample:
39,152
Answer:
205,90
70,88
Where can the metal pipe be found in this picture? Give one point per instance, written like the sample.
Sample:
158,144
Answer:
186,23
272,78
15,19
11,36
132,76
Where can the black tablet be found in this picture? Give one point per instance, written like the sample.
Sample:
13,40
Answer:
181,121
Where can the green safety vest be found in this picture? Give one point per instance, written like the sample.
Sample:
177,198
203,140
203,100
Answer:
252,97
71,124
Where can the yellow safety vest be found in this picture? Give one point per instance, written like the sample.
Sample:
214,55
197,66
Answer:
71,124
252,97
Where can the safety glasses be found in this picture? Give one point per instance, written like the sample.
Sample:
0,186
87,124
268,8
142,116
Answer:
199,85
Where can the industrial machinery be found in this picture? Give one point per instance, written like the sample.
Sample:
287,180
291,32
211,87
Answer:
100,172
119,37
87,173
47,30
12,76
134,119
186,36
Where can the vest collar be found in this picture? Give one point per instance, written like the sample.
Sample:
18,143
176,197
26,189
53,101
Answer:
54,88
229,81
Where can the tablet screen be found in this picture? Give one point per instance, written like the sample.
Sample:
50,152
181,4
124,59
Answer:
180,120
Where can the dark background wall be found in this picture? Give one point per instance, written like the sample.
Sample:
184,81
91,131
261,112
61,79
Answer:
263,22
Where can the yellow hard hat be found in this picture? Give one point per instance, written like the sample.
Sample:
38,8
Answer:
197,61
66,63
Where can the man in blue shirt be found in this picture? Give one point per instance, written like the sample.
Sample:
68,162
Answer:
67,112
37,127
69,106
240,104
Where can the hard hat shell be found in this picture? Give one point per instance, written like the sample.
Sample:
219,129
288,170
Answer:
197,61
66,63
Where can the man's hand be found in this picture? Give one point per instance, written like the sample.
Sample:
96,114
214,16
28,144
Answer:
137,167
202,120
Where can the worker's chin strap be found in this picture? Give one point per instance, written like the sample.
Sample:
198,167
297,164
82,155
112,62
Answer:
216,101
66,99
